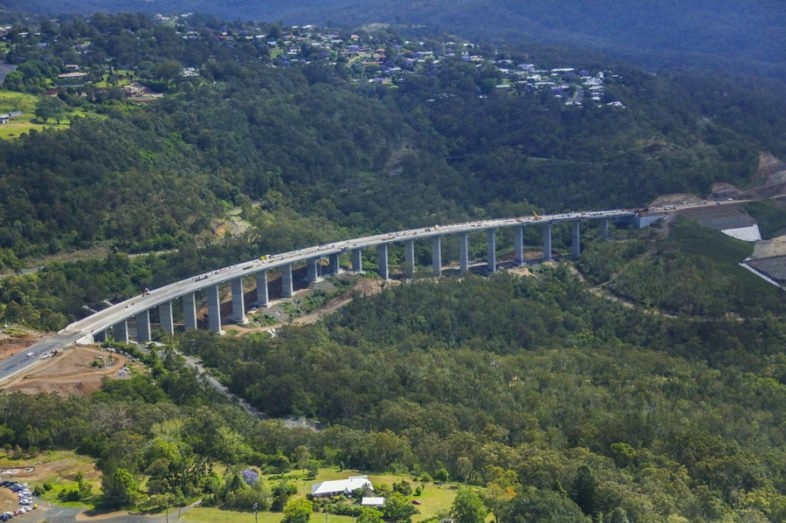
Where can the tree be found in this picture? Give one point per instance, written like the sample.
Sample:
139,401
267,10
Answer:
369,515
302,455
297,511
398,508
49,107
120,488
544,506
468,507
583,490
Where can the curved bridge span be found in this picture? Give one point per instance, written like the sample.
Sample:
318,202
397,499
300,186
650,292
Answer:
115,319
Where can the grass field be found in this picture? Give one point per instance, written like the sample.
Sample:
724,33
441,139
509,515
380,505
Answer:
16,127
12,101
771,219
434,499
58,468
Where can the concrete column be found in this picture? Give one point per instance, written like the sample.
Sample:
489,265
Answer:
143,327
576,250
262,297
189,312
547,241
604,229
382,261
213,309
286,281
357,260
333,264
463,243
491,249
409,259
165,315
99,337
518,240
312,269
120,331
238,302
436,255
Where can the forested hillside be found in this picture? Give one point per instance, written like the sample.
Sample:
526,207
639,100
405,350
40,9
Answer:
315,136
557,401
735,36
551,400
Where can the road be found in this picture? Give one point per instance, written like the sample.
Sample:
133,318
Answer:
85,329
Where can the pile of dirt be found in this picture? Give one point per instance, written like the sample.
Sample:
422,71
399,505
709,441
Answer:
10,346
723,191
72,373
770,248
676,199
771,169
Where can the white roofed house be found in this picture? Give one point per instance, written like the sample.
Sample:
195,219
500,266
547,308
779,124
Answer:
341,486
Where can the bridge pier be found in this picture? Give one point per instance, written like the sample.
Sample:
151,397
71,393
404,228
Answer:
576,245
518,240
213,309
238,302
463,243
547,241
262,297
604,229
357,260
143,327
382,261
436,255
189,312
286,281
491,249
120,331
165,318
409,259
312,269
333,263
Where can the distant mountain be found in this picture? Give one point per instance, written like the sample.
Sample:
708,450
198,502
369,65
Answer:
745,36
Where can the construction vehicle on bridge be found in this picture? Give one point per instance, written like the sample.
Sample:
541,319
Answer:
535,215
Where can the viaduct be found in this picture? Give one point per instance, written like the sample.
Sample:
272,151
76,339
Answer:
114,320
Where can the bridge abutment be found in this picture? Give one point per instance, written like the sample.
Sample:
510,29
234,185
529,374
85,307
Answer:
238,302
120,331
262,296
436,255
334,261
357,260
213,309
189,312
409,259
463,243
518,240
165,318
312,270
382,261
286,281
491,249
143,327
547,241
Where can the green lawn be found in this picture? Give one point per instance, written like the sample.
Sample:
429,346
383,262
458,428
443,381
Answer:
13,101
16,127
434,499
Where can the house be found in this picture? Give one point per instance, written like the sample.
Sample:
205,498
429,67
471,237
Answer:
371,501
341,486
